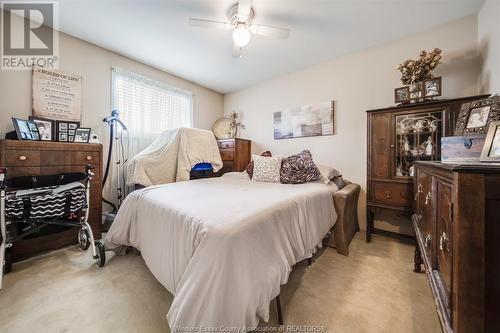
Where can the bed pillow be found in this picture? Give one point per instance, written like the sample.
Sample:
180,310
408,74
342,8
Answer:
249,168
266,169
298,169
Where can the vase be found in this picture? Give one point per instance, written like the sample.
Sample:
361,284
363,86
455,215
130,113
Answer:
416,92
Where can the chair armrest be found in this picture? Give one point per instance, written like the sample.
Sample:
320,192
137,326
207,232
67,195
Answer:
346,206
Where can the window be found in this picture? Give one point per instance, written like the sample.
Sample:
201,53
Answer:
149,107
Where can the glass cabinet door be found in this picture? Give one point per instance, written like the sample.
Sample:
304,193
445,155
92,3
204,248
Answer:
418,137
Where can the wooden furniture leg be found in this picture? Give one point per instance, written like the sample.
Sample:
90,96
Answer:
280,314
369,225
417,259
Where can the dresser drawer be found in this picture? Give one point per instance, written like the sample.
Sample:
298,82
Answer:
444,241
85,157
227,155
423,209
392,193
226,144
22,158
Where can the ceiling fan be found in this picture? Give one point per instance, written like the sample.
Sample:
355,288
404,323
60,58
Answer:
240,19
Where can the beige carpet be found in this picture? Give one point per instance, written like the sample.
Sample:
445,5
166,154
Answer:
372,290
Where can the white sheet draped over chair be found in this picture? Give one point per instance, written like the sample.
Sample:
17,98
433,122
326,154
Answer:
172,155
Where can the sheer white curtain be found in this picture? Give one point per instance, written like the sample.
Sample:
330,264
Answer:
148,107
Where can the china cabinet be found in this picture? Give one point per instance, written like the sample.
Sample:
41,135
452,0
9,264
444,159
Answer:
397,137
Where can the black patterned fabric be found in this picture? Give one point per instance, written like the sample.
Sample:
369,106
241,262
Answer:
298,169
46,206
249,168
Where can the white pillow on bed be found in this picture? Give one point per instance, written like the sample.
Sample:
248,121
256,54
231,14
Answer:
266,169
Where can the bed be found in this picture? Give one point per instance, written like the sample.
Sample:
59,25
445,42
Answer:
223,246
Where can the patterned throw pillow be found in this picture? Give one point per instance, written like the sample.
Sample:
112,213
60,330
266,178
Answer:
266,169
249,168
298,169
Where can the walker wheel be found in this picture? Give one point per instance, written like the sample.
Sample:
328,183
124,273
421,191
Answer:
7,264
101,255
83,239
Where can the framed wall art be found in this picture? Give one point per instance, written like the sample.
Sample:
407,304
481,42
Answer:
304,121
475,118
46,128
491,148
56,95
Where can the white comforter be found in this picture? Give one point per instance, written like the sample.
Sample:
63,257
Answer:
223,246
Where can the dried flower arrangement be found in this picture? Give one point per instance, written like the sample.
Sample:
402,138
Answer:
235,124
413,71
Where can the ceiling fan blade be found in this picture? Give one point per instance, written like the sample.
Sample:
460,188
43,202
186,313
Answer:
267,30
209,23
237,51
244,7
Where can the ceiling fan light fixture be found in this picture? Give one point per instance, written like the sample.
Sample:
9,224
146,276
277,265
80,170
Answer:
241,35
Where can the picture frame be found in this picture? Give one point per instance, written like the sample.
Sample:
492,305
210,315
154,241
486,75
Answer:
432,87
475,117
46,128
26,129
402,95
491,148
82,135
63,130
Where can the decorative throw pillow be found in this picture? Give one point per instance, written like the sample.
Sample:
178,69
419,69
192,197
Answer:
249,168
339,181
298,169
266,169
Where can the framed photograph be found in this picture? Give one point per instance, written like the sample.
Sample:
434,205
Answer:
475,118
65,130
402,95
82,135
415,95
491,148
432,87
46,128
26,129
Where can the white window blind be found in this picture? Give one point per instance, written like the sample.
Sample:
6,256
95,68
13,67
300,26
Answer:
147,106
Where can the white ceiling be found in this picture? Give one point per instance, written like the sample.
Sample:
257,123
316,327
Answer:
156,32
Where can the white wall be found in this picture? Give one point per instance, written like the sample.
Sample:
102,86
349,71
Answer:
94,64
489,46
356,82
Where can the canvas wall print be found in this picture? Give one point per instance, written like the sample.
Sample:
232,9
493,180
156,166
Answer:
304,121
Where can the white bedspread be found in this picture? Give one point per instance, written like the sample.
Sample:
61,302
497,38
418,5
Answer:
223,246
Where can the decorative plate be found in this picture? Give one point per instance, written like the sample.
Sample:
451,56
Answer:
222,128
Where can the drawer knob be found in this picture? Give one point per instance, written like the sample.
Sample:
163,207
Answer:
22,158
388,194
419,190
427,241
428,198
88,158
443,242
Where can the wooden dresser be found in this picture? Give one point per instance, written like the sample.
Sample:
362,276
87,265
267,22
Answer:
457,224
31,158
235,154
390,156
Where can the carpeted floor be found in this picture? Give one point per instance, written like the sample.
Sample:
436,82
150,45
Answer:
372,290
